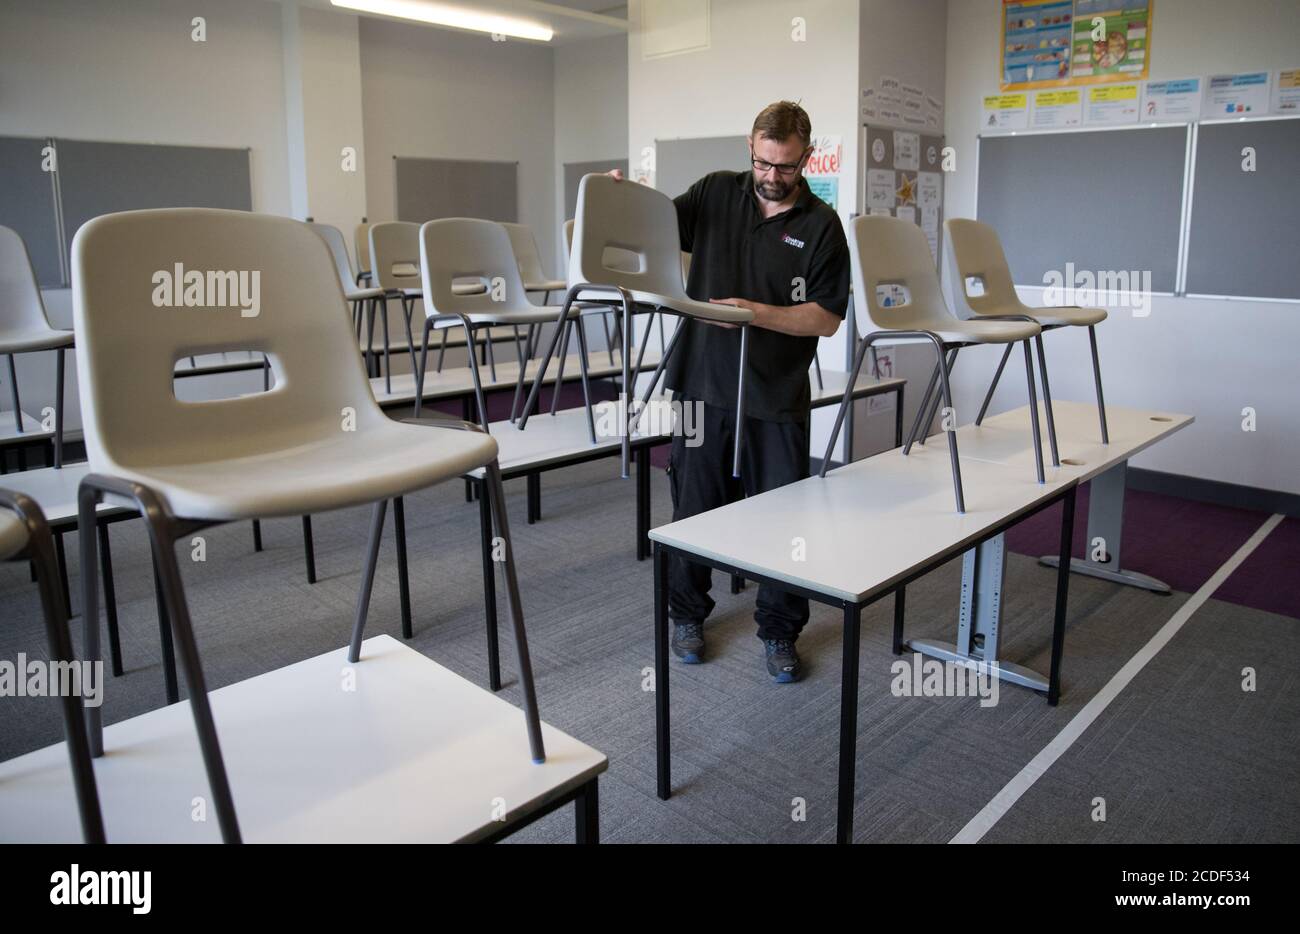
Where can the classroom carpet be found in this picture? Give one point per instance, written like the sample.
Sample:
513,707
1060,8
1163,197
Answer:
1183,753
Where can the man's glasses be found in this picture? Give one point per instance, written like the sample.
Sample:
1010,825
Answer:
784,169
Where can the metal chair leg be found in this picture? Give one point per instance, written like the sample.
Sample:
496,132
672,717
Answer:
934,406
654,380
925,407
408,306
817,368
1096,376
58,407
367,580
582,369
424,364
566,327
442,349
609,340
13,395
1033,412
473,372
988,396
1047,402
740,400
492,474
843,409
952,434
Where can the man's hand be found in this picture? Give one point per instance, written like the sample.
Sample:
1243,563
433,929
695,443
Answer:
615,174
737,303
806,320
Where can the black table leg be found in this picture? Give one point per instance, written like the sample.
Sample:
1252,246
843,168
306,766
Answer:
309,549
403,577
737,583
900,611
642,503
898,417
848,724
586,812
661,672
534,497
1062,594
165,636
110,601
257,535
63,572
489,590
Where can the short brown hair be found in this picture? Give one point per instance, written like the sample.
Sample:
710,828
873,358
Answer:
782,120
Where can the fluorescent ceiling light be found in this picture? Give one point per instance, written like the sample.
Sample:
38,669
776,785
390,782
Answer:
443,14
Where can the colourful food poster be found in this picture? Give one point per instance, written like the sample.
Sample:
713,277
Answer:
1243,95
1006,112
1286,91
1113,105
1171,100
1057,109
1110,39
1056,43
1035,42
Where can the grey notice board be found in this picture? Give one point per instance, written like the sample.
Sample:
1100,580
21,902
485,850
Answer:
101,178
680,163
1242,234
428,189
573,172
27,205
1101,199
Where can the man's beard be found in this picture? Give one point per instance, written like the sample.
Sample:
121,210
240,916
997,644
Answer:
776,190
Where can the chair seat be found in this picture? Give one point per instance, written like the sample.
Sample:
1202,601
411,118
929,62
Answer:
974,331
363,295
13,535
30,339
506,317
345,469
1068,316
693,309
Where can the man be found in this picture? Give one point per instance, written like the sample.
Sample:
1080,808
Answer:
760,240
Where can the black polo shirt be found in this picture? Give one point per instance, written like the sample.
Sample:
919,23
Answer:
737,253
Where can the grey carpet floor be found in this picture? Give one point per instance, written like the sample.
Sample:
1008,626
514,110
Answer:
1182,754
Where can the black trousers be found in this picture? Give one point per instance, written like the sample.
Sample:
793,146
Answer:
772,454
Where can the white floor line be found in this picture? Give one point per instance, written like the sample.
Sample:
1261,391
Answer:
1002,802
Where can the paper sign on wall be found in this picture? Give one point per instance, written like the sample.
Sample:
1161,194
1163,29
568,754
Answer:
907,150
1006,112
1112,105
1244,95
1057,109
1171,100
1286,91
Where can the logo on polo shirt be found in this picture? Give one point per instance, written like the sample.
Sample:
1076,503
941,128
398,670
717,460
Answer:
786,238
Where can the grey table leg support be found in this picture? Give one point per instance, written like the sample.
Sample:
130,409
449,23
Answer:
1105,532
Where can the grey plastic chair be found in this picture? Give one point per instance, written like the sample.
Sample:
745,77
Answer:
456,249
976,253
362,300
361,243
639,220
25,328
316,441
25,536
888,251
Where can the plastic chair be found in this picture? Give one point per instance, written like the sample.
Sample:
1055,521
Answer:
361,243
25,536
316,441
363,300
25,328
887,251
976,252
641,221
456,249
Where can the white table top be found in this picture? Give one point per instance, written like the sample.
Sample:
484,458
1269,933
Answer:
459,381
55,491
872,523
834,381
32,430
414,754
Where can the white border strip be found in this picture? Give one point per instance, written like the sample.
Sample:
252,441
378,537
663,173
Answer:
1002,802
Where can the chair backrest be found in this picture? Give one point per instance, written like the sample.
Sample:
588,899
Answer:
333,238
614,257
527,256
887,251
152,287
630,217
395,255
21,307
976,252
457,249
361,243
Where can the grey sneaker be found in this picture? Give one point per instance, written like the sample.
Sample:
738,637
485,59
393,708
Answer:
782,660
688,642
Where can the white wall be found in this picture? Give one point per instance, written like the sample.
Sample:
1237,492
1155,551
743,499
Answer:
753,61
1207,358
591,107
437,94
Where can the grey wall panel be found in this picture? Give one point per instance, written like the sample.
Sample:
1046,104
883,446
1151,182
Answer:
1242,238
1102,200
101,178
680,163
573,172
428,189
27,205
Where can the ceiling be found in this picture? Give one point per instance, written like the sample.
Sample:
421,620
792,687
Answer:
570,20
